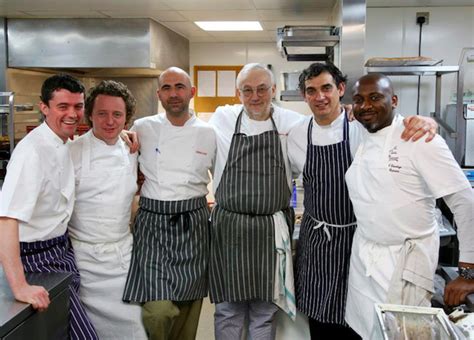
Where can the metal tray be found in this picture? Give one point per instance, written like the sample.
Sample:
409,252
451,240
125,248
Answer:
439,317
401,62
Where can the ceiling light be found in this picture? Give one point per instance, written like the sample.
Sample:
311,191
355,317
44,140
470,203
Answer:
229,25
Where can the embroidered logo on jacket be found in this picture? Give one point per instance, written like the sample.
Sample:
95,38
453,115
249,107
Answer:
393,160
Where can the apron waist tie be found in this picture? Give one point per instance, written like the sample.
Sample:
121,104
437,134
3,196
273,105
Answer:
111,247
325,225
107,247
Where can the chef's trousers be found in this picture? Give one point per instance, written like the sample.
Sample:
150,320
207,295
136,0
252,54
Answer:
230,317
322,331
171,320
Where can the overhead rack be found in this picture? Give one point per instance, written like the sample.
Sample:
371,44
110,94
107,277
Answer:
294,42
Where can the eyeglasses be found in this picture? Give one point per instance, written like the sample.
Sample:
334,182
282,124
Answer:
261,91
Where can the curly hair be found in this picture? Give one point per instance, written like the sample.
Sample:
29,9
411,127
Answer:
114,89
316,69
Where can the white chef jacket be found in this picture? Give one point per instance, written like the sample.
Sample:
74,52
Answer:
424,172
321,135
224,120
38,189
106,182
175,160
108,161
402,180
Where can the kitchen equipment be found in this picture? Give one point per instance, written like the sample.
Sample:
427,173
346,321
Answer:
19,321
410,322
450,118
291,80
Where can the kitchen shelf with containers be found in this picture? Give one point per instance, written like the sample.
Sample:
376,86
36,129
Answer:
12,117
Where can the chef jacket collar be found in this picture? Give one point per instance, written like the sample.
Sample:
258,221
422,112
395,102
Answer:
188,122
100,141
50,135
336,122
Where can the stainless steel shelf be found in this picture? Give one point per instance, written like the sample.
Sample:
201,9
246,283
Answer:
312,41
413,70
326,37
5,108
438,71
291,96
9,109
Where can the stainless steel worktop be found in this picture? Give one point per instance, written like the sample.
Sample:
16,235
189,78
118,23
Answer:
20,321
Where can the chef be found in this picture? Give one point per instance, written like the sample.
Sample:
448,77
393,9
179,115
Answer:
321,147
393,186
168,273
37,201
252,181
106,177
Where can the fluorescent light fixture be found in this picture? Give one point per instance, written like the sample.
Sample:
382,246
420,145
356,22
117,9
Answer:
229,25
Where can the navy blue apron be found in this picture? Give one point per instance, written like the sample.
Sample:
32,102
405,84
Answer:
57,256
327,229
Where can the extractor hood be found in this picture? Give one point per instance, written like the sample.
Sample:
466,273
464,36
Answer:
142,46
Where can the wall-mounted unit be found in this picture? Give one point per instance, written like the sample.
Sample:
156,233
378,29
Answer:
308,43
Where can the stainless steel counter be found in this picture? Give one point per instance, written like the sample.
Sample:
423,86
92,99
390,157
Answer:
20,321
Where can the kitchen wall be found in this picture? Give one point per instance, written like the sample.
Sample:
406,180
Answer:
390,32
242,53
393,32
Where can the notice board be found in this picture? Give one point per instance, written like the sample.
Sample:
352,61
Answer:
215,86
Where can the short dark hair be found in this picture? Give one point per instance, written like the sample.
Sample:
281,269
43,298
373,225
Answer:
316,69
59,82
114,89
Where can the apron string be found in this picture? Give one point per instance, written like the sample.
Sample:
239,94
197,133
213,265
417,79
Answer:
310,132
325,226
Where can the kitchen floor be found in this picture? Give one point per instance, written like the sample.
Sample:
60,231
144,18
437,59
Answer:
206,322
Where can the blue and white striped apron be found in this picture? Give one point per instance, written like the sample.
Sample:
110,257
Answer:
253,187
57,256
170,251
327,229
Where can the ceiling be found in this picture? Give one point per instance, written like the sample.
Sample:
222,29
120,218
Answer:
179,15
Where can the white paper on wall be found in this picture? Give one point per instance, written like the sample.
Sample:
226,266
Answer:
226,83
206,83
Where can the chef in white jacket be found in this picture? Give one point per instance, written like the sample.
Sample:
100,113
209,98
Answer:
106,174
168,272
393,186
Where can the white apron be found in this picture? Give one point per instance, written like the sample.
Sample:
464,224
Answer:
393,259
102,241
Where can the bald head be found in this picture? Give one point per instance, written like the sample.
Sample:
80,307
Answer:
374,100
175,92
375,79
175,70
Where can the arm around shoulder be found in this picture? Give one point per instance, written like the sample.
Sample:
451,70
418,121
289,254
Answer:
419,126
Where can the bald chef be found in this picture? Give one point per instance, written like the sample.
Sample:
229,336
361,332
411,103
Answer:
393,186
171,233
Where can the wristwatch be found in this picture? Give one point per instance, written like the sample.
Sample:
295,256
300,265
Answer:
466,273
